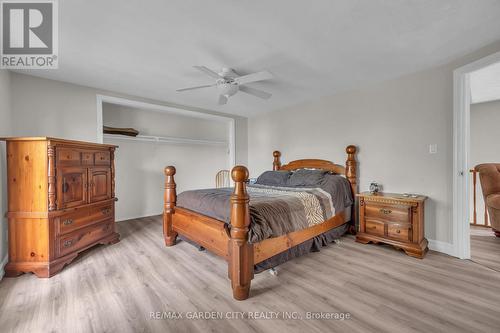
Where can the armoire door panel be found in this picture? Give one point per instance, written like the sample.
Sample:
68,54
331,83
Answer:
99,184
71,187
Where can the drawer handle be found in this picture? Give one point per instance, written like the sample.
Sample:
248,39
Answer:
68,243
398,231
385,211
68,222
106,211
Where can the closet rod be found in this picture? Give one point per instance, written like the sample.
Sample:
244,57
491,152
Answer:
165,139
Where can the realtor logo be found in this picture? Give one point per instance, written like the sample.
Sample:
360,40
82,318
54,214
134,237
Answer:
29,34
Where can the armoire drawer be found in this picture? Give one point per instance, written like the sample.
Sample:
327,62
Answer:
87,158
68,157
101,212
102,158
83,217
72,221
82,237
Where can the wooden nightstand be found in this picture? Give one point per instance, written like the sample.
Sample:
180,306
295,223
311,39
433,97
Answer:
393,219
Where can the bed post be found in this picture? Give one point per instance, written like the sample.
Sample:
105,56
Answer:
352,175
351,168
240,269
276,162
170,198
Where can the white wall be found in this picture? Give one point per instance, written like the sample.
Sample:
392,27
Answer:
5,130
392,123
43,107
484,142
485,133
139,165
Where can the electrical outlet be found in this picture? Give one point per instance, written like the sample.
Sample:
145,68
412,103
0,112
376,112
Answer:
433,148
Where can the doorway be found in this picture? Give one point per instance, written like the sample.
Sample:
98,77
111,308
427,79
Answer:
462,177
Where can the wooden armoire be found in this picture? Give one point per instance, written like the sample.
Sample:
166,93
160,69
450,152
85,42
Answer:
61,201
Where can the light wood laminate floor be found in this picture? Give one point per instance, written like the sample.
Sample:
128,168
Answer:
485,247
382,289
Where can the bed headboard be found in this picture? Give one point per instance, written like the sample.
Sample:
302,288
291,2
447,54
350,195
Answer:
349,170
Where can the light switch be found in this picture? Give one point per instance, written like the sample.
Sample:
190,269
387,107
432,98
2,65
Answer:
433,148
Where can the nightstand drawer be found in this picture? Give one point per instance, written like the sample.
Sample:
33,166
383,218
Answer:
375,227
389,213
399,231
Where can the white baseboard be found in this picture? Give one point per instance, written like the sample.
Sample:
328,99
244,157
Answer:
2,265
443,247
132,217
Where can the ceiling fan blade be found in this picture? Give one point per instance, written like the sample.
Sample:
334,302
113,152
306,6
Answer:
259,76
222,99
208,71
255,92
198,87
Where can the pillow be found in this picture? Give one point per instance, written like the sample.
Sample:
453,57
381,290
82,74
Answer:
307,177
274,178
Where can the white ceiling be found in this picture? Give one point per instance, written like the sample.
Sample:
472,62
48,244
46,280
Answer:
485,84
314,48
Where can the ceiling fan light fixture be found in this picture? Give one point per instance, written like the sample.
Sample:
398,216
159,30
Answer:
227,88
228,83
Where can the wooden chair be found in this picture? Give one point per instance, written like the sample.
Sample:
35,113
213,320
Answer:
222,179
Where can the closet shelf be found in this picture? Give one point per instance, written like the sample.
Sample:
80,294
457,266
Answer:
165,139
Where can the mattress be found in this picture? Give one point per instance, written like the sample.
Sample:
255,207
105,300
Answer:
276,210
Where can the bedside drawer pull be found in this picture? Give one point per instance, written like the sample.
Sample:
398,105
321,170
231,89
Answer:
398,231
68,222
68,243
385,211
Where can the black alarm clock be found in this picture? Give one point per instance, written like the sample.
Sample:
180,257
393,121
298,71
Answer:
374,188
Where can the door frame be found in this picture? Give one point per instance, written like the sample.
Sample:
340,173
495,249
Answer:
461,152
230,121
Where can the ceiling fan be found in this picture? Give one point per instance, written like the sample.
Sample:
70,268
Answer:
228,83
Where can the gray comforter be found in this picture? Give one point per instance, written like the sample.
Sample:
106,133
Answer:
275,211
